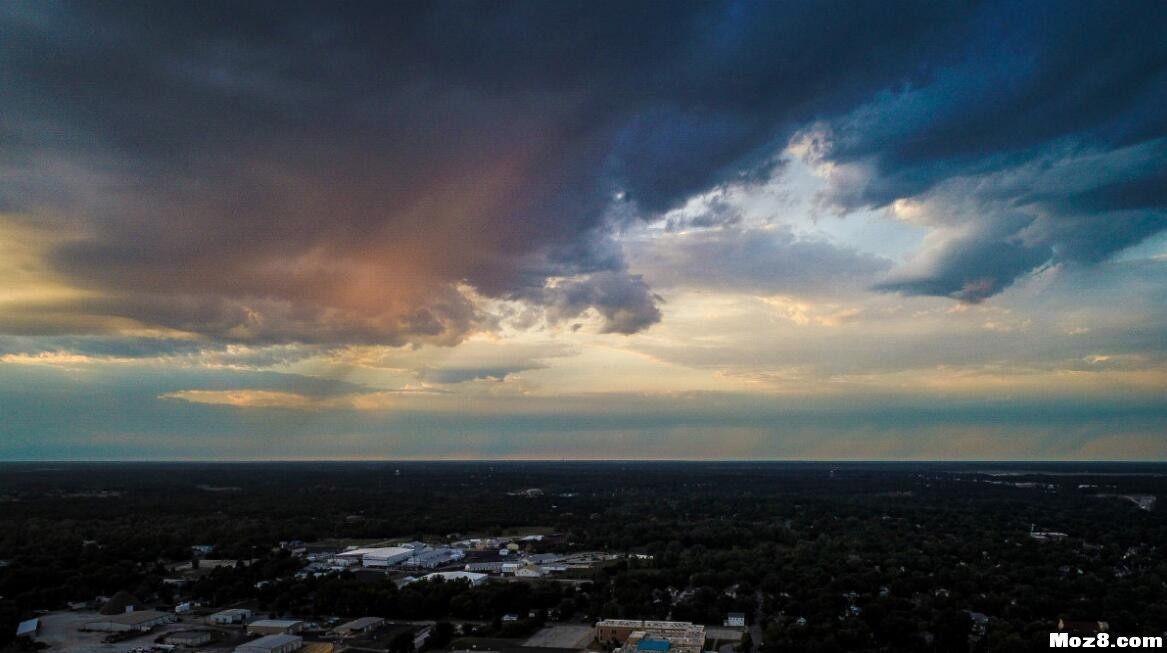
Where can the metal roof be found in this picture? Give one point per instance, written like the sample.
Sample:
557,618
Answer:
27,627
271,641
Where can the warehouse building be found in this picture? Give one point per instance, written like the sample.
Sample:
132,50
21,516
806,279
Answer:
275,627
473,578
141,621
431,558
358,626
272,644
379,557
189,638
484,567
227,617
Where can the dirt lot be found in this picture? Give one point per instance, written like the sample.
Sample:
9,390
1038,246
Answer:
60,630
562,637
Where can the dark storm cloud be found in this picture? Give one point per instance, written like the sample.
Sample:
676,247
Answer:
293,171
278,172
1077,88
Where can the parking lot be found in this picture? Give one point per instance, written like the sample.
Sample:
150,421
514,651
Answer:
562,637
61,631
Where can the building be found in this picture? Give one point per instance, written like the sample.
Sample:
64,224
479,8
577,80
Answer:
275,627
431,558
421,637
735,619
485,567
189,638
358,626
379,557
141,621
227,617
28,629
529,571
652,636
449,576
272,644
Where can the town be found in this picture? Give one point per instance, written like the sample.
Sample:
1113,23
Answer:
573,557
123,622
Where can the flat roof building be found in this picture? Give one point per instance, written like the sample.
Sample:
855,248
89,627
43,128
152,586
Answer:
189,638
357,626
379,557
141,621
652,636
275,627
232,616
475,579
272,644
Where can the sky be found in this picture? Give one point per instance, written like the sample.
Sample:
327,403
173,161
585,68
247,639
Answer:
569,230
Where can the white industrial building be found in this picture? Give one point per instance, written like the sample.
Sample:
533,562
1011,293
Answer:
227,617
272,644
380,556
484,567
431,558
141,621
475,579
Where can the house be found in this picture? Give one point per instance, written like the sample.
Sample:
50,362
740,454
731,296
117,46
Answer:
28,629
275,627
272,644
141,621
227,617
735,619
190,638
529,571
510,616
358,626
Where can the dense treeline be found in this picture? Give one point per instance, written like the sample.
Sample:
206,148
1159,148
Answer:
822,557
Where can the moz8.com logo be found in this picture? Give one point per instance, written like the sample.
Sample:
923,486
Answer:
1102,640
